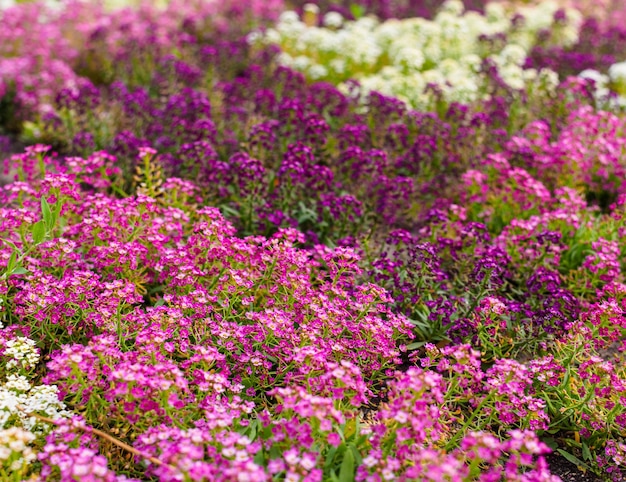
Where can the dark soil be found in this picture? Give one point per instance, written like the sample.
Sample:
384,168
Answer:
567,471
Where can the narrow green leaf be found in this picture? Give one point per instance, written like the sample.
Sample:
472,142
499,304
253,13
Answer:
39,232
155,289
12,260
586,452
20,270
259,458
160,302
330,456
550,442
57,211
274,452
357,455
253,430
10,243
346,473
573,459
46,213
416,345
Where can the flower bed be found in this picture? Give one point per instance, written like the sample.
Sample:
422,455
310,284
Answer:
215,267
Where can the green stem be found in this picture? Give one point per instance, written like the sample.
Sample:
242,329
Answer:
462,430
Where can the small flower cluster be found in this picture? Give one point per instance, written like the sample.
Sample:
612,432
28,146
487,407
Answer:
15,451
71,454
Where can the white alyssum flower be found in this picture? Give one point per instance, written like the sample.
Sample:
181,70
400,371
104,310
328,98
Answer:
255,37
311,8
513,76
285,59
317,72
601,85
18,383
288,17
600,79
332,20
19,397
541,16
301,62
272,36
610,90
338,65
548,80
494,11
5,4
410,58
23,352
14,444
617,72
454,7
513,54
15,406
617,76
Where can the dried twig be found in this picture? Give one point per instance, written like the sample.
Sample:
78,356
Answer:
108,437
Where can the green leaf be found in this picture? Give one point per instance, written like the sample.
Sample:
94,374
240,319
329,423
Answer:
229,211
586,452
47,213
20,270
357,454
12,260
346,473
155,289
357,10
416,345
253,429
57,210
550,442
573,459
10,243
39,232
160,302
30,132
259,458
266,434
274,452
330,456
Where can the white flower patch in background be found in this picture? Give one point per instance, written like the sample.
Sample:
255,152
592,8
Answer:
609,90
401,58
